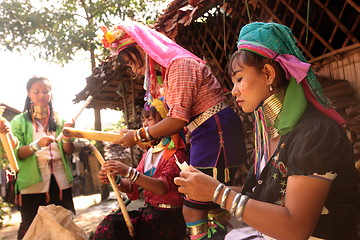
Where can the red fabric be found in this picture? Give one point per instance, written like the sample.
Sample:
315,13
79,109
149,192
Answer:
327,111
166,171
190,89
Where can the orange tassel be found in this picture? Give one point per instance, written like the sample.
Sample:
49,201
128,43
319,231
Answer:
227,175
215,172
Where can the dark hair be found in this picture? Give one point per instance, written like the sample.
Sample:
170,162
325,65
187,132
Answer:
258,62
52,121
149,111
129,52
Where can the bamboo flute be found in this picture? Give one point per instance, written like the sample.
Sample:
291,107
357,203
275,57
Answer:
5,139
87,101
117,193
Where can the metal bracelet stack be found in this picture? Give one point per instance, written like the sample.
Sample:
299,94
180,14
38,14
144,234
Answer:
224,197
240,207
235,203
217,192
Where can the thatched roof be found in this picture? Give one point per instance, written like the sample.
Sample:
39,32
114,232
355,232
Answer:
209,28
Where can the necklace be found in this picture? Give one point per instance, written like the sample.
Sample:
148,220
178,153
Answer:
272,107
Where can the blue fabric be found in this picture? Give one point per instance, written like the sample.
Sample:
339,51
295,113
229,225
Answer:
205,141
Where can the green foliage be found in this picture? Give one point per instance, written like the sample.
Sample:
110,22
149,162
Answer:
57,29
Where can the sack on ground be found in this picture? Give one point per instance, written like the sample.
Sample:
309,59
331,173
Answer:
54,223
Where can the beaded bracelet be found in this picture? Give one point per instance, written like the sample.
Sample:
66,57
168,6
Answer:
217,191
224,197
240,207
235,202
66,139
118,180
34,146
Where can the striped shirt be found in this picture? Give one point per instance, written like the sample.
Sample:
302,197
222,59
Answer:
190,89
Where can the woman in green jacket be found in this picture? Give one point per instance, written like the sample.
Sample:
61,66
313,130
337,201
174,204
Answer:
44,175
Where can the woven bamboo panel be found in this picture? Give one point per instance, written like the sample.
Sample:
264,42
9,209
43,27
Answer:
213,35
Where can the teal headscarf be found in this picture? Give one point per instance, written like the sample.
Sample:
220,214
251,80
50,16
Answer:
279,38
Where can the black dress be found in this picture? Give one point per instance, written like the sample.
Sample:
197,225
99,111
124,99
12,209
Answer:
317,147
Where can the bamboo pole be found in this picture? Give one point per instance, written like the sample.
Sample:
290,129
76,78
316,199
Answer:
87,101
5,139
92,134
117,193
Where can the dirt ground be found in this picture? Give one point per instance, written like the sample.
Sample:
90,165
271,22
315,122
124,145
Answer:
89,213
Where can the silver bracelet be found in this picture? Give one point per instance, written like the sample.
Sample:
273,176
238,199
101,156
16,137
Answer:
34,146
224,197
235,203
127,175
240,207
148,136
217,191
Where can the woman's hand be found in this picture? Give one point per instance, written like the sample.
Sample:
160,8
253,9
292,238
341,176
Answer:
4,126
114,168
46,141
128,139
70,124
103,177
196,185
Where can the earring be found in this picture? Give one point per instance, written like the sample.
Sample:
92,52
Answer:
271,88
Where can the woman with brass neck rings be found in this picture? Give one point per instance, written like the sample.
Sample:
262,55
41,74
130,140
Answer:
44,175
303,181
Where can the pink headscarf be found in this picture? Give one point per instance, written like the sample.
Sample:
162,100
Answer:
159,47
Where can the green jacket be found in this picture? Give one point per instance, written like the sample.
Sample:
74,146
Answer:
29,172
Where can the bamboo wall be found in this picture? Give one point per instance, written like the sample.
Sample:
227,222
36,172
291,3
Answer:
346,68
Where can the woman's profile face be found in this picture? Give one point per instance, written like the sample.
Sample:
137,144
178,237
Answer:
40,92
137,67
250,86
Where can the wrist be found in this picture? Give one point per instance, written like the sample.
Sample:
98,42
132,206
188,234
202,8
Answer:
34,146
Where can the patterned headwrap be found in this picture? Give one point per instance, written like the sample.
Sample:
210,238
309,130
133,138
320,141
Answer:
116,39
275,41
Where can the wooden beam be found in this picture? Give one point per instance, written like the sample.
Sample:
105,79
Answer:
303,21
338,51
337,21
354,5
